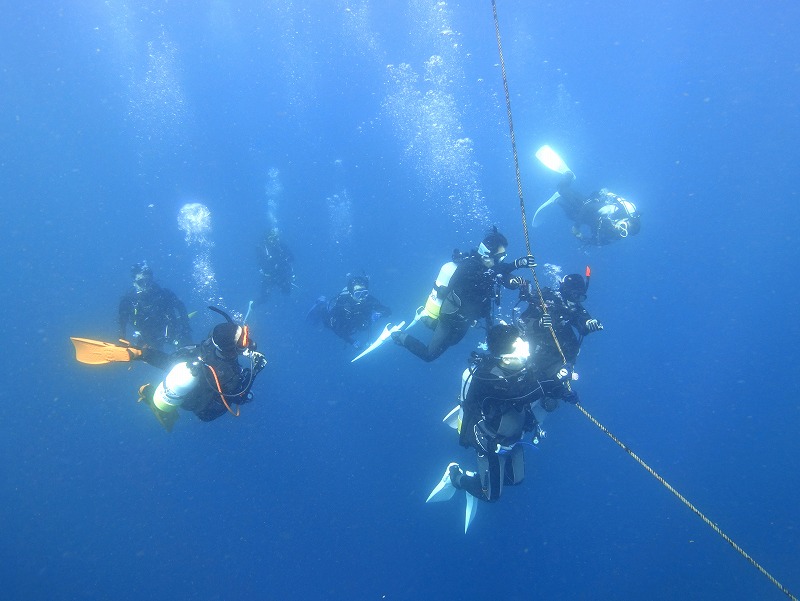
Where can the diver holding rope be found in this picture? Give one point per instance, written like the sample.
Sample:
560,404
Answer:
565,316
463,294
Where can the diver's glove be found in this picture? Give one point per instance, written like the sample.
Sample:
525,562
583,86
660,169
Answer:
593,325
546,321
515,282
571,397
527,261
134,352
259,361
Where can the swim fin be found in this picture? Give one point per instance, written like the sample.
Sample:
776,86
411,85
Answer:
471,510
166,418
388,330
550,159
546,203
419,314
454,418
445,490
96,352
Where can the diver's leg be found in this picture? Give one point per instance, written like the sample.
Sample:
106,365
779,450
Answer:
515,466
447,334
486,484
430,351
414,345
570,201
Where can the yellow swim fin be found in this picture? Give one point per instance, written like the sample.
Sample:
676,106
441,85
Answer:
96,352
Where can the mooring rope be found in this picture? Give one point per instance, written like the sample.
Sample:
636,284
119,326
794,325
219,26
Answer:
528,248
622,445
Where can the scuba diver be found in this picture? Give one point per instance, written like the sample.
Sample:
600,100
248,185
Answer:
565,315
599,219
155,314
206,378
463,293
353,310
275,264
500,397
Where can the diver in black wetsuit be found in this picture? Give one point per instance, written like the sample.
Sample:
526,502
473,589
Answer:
275,264
566,315
599,219
498,405
155,314
463,294
354,310
206,378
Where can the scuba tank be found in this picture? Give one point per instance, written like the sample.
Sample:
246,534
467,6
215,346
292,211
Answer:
434,303
171,393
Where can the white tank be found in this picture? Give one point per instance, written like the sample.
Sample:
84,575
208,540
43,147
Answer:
434,303
176,386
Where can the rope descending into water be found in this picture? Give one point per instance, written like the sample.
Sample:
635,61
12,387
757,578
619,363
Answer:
519,178
622,445
688,504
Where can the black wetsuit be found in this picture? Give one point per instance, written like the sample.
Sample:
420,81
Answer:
595,216
275,263
567,318
205,400
467,298
346,316
498,410
157,315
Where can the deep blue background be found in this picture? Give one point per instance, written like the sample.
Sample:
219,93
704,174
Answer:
114,115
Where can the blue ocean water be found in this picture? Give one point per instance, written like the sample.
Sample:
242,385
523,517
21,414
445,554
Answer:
375,135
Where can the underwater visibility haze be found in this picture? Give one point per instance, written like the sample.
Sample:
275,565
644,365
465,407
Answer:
374,135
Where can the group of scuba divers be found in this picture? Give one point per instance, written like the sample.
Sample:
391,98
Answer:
524,371
207,379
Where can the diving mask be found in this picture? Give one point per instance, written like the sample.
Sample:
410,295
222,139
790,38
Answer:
359,294
485,253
